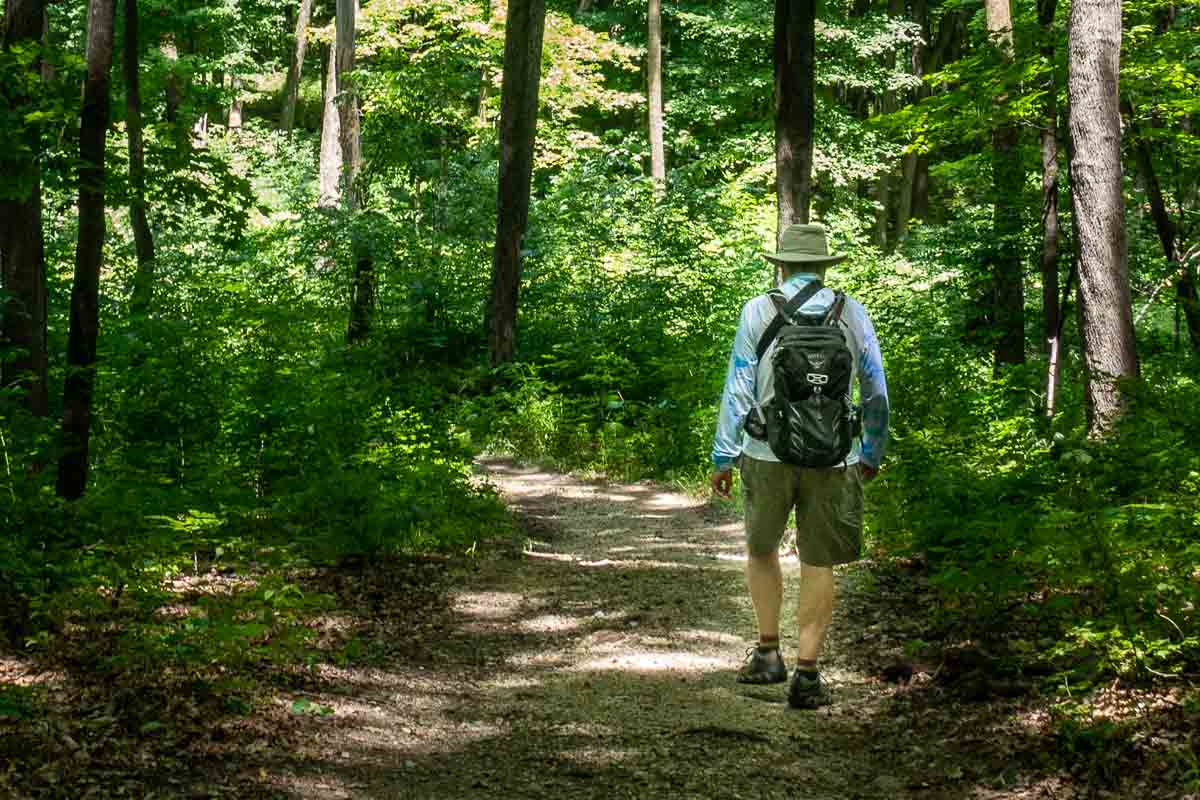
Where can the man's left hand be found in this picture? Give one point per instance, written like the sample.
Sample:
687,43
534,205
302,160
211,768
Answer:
722,483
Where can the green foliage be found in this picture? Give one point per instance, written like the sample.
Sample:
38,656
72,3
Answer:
1097,747
305,706
234,429
16,702
258,625
1010,510
236,434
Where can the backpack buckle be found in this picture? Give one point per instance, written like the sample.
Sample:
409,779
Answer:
756,423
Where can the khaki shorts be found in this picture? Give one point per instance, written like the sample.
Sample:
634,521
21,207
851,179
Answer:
828,503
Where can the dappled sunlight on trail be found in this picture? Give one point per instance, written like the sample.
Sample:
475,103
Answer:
598,661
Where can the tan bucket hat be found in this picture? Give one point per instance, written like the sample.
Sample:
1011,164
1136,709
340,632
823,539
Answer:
804,244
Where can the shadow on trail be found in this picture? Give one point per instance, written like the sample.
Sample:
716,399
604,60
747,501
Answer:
601,663
598,662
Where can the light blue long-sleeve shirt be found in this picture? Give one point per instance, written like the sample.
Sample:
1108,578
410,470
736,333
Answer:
748,379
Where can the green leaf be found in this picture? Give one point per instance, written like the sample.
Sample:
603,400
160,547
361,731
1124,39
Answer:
303,705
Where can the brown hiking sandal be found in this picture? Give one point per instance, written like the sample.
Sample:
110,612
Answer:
763,666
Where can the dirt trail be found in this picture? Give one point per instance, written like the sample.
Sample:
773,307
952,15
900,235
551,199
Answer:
600,663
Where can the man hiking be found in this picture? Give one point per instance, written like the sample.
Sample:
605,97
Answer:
788,422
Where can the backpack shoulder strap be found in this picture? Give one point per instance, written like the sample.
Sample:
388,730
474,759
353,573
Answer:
835,311
783,312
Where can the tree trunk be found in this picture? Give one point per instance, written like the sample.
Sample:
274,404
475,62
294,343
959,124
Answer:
998,14
485,73
1058,354
518,127
904,195
1051,309
1049,134
330,161
1185,287
292,88
910,162
143,240
22,249
944,47
1182,274
948,45
47,66
795,45
883,200
658,163
920,201
1058,346
937,54
170,51
888,182
1106,319
89,254
1003,252
362,284
1189,301
234,119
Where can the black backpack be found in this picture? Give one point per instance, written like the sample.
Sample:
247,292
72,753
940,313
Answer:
810,421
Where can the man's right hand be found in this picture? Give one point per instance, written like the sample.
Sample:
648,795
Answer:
867,472
722,483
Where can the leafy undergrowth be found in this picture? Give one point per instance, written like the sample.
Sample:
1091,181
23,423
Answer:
1104,735
127,701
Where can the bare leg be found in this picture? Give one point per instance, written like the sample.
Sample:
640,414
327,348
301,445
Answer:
765,577
813,612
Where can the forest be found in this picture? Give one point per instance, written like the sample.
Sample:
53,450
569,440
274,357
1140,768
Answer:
321,320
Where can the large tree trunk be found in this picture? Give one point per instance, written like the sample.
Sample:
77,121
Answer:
795,45
1106,318
942,49
47,65
1003,253
518,126
910,163
1049,134
143,240
658,163
362,284
89,254
888,183
1182,274
22,251
330,159
292,88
